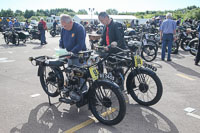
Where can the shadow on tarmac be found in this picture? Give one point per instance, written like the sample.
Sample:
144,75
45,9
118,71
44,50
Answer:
184,69
48,119
138,119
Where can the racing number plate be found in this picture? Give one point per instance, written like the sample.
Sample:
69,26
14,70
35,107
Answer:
94,73
138,61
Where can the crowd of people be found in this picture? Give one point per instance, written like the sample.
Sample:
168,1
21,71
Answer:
75,37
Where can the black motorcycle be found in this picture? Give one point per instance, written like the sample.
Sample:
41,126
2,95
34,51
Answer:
54,32
23,35
34,34
142,83
10,36
103,97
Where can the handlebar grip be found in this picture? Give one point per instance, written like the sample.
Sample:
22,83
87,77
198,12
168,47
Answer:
69,54
30,58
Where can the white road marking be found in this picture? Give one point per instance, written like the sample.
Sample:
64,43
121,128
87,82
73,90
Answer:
35,95
194,115
4,60
10,52
189,109
184,76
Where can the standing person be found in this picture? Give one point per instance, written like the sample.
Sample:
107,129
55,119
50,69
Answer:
55,23
137,22
167,35
198,52
42,27
73,40
178,22
132,23
26,25
10,24
113,32
16,23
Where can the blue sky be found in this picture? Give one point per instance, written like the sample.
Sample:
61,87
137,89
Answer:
99,5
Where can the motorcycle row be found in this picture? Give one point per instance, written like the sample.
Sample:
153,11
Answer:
16,35
186,37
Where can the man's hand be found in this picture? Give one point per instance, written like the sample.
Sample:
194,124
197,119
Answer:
160,39
106,48
68,57
175,38
113,44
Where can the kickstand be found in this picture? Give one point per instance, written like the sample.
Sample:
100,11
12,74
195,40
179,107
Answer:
49,101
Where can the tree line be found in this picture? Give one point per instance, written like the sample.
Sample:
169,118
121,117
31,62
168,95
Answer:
192,12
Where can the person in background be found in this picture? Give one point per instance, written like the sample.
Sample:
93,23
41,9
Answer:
198,52
137,22
132,24
42,27
16,24
178,22
10,24
55,23
167,35
26,24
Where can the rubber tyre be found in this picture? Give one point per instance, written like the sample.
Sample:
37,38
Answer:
115,89
130,84
59,77
184,43
153,55
6,40
192,46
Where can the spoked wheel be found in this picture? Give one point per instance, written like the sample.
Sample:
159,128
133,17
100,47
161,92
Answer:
193,47
51,80
175,47
17,41
24,41
153,43
31,37
184,44
53,34
6,40
149,53
144,87
107,103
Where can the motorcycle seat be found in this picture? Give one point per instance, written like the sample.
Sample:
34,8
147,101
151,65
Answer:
54,62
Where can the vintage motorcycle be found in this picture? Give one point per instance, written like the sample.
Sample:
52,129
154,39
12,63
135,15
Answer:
10,36
103,97
55,32
129,70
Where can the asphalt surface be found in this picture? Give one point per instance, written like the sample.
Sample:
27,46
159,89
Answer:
24,106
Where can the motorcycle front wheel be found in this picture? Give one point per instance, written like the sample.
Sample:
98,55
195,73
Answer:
107,103
149,53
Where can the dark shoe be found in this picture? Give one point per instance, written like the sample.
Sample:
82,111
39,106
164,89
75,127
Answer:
196,63
45,43
163,59
169,59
